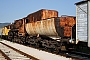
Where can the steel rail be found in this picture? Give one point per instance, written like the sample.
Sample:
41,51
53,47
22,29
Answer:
25,54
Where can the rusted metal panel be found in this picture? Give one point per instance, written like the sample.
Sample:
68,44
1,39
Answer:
44,27
17,23
67,20
67,31
42,14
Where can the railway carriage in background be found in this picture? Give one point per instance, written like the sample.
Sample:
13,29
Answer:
45,30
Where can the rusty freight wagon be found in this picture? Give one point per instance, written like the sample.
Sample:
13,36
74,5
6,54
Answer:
43,29
36,25
50,27
46,23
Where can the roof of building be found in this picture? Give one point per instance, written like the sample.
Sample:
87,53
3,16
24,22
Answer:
81,2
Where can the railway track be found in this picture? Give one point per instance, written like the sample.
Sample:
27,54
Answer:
77,55
9,53
68,54
2,57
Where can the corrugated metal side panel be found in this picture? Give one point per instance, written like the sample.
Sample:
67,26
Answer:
67,21
88,23
82,22
43,27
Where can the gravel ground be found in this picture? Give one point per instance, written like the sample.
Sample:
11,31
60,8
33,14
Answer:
42,55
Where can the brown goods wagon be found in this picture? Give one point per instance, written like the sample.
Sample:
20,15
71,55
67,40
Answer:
17,23
42,14
67,20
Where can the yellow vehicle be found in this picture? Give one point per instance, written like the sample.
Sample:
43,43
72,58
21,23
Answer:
5,31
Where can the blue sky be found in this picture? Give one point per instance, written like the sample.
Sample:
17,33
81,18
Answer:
11,10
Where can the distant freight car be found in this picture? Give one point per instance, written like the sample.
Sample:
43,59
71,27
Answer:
5,31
